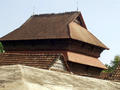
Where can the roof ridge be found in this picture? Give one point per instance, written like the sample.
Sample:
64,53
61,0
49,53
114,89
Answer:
32,54
49,14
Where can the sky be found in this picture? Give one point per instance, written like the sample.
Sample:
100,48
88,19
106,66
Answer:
102,18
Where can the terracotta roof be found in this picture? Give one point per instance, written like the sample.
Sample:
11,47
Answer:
86,60
41,60
54,26
79,33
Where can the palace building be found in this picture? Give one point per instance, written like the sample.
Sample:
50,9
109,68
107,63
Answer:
59,42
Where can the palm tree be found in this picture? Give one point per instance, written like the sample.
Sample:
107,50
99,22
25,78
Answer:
113,65
115,62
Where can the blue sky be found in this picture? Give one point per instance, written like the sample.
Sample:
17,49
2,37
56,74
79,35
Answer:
102,18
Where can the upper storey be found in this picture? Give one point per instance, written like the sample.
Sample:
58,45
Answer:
68,25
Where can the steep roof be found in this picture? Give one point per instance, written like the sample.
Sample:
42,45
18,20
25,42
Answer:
54,26
77,32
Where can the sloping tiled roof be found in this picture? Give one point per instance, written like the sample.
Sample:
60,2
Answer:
41,60
53,26
77,32
46,26
45,60
85,60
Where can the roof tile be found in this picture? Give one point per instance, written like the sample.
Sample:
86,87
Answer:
29,59
86,60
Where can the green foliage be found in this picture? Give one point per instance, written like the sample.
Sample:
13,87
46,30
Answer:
114,63
1,48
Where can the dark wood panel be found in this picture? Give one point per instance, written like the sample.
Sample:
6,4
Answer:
81,69
55,44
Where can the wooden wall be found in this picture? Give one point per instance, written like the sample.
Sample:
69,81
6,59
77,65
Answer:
84,69
84,48
35,45
59,44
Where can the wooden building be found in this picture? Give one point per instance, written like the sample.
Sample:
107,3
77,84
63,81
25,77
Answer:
59,42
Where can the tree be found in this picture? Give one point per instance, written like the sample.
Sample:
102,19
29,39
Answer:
1,48
113,65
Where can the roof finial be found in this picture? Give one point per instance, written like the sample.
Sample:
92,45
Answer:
34,6
34,10
77,5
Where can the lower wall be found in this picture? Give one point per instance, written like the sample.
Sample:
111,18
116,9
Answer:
84,69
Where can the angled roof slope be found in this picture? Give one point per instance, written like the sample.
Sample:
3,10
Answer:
86,60
46,26
53,26
39,60
46,59
77,32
